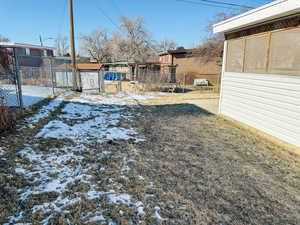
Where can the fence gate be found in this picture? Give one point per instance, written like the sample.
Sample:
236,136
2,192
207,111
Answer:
62,75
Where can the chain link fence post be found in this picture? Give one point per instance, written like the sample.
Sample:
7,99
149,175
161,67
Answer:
18,79
52,76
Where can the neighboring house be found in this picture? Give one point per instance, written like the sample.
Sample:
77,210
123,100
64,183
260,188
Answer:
59,60
261,73
118,67
190,66
29,55
142,70
121,67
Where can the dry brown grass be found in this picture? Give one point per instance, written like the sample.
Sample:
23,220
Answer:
229,174
173,206
7,121
204,170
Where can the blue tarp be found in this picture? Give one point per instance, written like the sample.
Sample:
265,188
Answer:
114,76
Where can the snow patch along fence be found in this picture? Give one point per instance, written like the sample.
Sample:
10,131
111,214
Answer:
23,85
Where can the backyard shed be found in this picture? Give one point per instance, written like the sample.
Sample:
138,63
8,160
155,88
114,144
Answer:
261,69
90,75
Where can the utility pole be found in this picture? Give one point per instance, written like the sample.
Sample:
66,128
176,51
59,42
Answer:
72,45
41,40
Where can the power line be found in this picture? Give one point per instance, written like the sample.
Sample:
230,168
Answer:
114,3
261,1
226,3
62,21
107,17
211,5
118,27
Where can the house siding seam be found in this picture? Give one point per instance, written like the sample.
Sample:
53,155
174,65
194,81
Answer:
268,102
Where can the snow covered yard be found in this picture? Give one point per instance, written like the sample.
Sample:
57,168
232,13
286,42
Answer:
142,159
31,94
76,165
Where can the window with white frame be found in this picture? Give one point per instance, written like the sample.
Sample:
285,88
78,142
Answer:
44,52
27,51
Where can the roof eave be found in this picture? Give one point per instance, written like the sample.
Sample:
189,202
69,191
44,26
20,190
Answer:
268,12
21,45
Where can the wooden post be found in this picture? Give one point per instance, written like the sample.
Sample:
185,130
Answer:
67,78
136,70
72,45
184,82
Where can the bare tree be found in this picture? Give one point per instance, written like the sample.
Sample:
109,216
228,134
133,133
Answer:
218,18
62,47
139,45
212,47
132,42
97,45
118,46
166,45
4,39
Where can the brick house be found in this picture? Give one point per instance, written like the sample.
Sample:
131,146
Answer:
190,66
29,55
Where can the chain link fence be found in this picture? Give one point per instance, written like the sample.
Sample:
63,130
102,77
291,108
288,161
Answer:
9,89
10,96
62,74
23,86
151,80
50,78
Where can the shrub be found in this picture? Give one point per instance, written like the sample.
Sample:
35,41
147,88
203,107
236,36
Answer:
6,120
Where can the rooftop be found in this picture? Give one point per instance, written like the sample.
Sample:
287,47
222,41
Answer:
177,51
89,66
272,11
22,45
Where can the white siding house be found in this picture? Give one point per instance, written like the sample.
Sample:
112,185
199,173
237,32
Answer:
261,69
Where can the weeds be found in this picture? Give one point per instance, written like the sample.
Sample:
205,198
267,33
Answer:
6,120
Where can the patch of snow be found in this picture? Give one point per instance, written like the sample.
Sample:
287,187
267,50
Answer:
86,121
92,194
76,111
22,224
14,219
156,214
2,152
120,133
20,170
45,111
122,98
31,94
96,218
140,208
141,177
112,222
97,123
119,198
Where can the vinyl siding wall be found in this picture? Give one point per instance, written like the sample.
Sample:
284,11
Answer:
268,102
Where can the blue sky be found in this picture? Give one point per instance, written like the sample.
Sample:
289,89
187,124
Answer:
24,20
